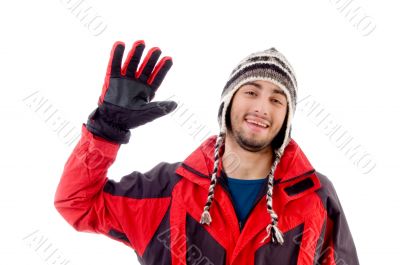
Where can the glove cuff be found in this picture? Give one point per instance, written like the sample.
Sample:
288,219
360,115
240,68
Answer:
99,126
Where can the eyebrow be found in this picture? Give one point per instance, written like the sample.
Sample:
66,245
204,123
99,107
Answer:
276,90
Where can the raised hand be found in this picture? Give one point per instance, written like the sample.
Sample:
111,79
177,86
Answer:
125,99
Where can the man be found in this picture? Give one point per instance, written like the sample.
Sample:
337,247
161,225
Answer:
208,209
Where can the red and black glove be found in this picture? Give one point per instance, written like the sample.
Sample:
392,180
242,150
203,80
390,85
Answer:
125,99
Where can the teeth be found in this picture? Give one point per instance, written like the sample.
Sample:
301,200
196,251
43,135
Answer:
258,123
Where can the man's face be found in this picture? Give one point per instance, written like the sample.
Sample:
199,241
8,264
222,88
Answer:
257,102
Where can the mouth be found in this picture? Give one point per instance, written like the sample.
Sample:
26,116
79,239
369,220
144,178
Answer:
256,125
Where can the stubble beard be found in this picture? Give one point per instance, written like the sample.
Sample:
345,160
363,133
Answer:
248,143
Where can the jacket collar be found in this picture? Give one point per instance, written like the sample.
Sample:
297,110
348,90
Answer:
198,166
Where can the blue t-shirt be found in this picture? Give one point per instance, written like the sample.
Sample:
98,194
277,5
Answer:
244,192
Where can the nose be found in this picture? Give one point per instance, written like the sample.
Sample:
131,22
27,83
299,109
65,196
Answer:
261,107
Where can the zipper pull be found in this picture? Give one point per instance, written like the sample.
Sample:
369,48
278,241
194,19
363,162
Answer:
240,226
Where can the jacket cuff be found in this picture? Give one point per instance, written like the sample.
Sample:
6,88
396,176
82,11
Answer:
96,143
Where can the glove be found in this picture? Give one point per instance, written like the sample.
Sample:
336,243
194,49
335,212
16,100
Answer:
124,103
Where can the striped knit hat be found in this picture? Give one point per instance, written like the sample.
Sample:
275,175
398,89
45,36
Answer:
268,65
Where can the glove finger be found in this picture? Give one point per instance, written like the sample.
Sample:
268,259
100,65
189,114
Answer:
160,72
114,64
133,59
113,67
148,64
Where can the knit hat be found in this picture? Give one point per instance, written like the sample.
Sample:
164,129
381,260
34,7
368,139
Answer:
268,65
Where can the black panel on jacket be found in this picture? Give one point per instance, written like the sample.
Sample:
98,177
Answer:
343,243
299,187
287,254
201,248
118,235
156,183
159,249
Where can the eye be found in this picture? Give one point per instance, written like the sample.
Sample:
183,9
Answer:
250,93
276,101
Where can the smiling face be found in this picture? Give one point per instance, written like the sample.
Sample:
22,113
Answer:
258,111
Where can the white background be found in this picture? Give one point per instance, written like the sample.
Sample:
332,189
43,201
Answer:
47,50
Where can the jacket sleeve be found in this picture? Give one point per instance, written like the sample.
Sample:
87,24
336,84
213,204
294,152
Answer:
129,210
337,246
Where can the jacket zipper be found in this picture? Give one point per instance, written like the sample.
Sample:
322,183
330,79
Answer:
260,196
225,188
254,206
263,192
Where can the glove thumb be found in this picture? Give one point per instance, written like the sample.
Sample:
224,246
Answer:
150,112
162,108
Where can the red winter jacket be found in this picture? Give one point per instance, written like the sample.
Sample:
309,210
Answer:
157,213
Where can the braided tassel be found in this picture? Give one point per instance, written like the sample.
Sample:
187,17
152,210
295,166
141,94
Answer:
206,216
277,236
272,229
